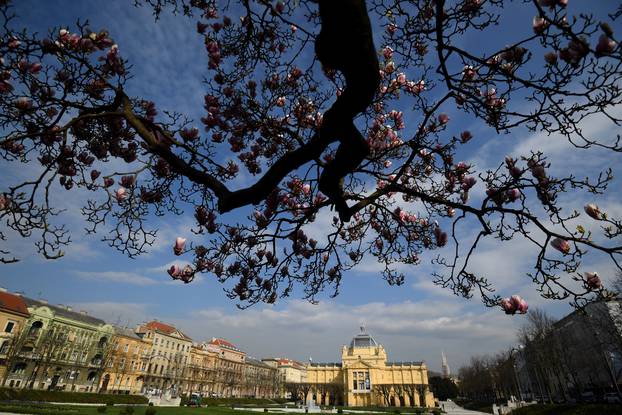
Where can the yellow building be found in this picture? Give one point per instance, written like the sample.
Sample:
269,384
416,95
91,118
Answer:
365,378
168,358
127,364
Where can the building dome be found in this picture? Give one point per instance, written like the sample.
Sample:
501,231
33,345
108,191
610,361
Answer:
363,339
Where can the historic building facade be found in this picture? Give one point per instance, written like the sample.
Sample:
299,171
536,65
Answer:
168,358
290,372
365,378
13,316
229,368
125,369
59,349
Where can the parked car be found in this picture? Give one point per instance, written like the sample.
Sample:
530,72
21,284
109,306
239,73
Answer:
194,400
612,397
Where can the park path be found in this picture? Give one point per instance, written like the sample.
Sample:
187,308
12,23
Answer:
452,409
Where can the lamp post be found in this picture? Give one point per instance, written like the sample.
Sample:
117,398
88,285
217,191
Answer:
516,351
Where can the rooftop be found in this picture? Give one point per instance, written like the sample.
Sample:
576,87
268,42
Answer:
363,339
66,312
13,304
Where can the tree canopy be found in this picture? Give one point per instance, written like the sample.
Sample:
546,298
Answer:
343,105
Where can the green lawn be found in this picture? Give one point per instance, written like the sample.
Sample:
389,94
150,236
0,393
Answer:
138,410
587,409
116,410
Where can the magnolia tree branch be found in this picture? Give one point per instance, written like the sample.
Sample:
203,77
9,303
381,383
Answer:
322,118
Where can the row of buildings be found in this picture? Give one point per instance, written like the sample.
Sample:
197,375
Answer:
45,346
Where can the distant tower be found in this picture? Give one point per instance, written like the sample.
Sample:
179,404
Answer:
445,365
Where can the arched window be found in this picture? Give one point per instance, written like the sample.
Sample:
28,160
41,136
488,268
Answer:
97,359
35,328
91,376
102,341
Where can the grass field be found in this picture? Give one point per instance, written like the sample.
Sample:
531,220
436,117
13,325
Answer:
47,409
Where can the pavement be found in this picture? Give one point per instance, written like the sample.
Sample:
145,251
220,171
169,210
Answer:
452,409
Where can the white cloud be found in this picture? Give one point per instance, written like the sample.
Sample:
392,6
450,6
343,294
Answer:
120,313
117,277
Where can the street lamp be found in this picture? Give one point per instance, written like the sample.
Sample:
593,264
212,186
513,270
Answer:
517,351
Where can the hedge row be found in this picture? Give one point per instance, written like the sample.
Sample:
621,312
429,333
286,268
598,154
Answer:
584,409
33,395
237,401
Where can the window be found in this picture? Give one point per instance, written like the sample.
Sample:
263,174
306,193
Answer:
9,327
156,341
126,348
19,368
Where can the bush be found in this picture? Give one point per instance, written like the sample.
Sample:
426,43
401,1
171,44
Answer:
128,410
339,411
101,409
150,411
265,409
35,395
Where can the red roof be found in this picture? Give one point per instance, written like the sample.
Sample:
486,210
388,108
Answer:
13,303
223,343
164,328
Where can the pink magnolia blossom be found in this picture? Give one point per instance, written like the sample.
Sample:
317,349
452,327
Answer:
443,118
175,272
306,188
121,194
605,45
592,280
513,194
508,306
593,211
550,58
23,103
465,136
4,202
180,245
387,164
387,52
539,24
561,245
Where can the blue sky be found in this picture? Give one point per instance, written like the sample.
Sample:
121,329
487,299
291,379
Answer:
414,321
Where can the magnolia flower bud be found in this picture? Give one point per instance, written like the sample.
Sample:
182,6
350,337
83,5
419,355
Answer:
605,45
539,24
593,280
121,194
443,118
507,306
23,103
180,245
174,271
593,211
550,58
561,245
465,136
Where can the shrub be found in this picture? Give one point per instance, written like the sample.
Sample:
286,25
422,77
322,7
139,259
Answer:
339,411
101,409
35,395
128,410
150,410
265,409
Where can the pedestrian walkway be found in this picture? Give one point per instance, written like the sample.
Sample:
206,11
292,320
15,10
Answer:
452,409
